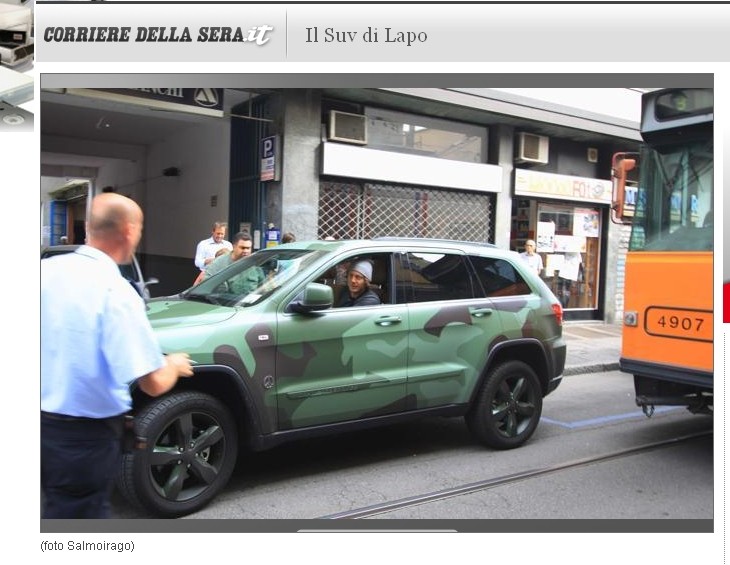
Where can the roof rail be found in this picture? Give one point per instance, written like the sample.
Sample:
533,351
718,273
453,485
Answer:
433,240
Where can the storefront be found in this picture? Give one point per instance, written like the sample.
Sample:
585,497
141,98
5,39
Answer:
417,176
352,162
565,216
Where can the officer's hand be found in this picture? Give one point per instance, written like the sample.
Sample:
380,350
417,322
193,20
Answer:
181,361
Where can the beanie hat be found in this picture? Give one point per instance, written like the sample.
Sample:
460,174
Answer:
365,268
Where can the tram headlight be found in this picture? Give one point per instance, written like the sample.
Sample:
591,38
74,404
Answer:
631,319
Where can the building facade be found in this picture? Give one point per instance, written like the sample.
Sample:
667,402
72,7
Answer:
472,164
438,163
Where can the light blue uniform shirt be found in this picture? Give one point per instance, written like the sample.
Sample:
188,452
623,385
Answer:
95,336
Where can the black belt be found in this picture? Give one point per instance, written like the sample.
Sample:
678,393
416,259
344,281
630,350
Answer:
67,418
116,423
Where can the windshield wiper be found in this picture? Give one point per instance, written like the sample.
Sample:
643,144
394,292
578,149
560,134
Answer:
209,298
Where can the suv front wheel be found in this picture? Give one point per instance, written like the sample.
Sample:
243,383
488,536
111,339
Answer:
191,451
508,406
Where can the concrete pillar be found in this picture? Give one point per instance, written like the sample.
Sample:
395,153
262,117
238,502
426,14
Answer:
617,245
501,152
293,203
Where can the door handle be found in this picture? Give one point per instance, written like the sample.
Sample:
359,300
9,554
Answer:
388,321
481,312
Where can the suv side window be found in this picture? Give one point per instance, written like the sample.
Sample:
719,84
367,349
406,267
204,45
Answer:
336,276
499,277
437,276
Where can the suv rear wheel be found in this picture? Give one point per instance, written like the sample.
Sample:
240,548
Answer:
191,451
508,406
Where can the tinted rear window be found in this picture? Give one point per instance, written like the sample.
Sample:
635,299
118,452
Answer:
499,277
439,276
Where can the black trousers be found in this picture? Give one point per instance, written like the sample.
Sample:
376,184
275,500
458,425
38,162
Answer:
79,460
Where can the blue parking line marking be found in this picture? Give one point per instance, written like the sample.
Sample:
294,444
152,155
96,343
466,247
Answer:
606,419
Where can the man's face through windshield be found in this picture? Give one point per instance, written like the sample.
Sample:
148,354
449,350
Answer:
242,248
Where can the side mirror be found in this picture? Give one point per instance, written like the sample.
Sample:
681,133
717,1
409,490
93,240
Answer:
314,298
142,287
620,167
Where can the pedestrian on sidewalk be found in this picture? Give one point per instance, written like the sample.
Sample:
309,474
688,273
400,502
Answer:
206,249
531,257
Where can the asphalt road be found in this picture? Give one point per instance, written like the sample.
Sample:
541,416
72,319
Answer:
590,415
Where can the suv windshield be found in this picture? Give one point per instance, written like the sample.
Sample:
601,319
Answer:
251,278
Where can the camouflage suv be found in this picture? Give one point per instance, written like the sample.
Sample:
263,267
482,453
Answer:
462,330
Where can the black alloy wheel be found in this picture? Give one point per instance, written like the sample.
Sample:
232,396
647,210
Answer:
189,456
507,409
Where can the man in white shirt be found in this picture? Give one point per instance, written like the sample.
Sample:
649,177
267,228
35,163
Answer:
533,259
206,250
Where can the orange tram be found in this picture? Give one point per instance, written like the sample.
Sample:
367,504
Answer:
666,193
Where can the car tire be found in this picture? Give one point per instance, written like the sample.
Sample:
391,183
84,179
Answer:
189,454
508,406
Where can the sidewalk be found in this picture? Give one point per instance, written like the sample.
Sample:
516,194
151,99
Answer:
593,347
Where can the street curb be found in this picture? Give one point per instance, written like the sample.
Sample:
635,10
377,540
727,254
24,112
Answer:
597,368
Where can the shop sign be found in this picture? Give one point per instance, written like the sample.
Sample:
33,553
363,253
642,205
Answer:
270,158
205,101
562,187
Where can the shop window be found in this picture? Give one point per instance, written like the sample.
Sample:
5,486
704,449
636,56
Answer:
421,135
568,238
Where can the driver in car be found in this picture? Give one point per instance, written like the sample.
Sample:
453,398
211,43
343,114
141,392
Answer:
359,292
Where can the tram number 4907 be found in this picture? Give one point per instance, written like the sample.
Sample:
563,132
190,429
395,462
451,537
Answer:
688,324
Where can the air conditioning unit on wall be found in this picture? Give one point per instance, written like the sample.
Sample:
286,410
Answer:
532,148
349,128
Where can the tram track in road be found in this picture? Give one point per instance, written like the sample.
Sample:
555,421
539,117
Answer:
443,494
